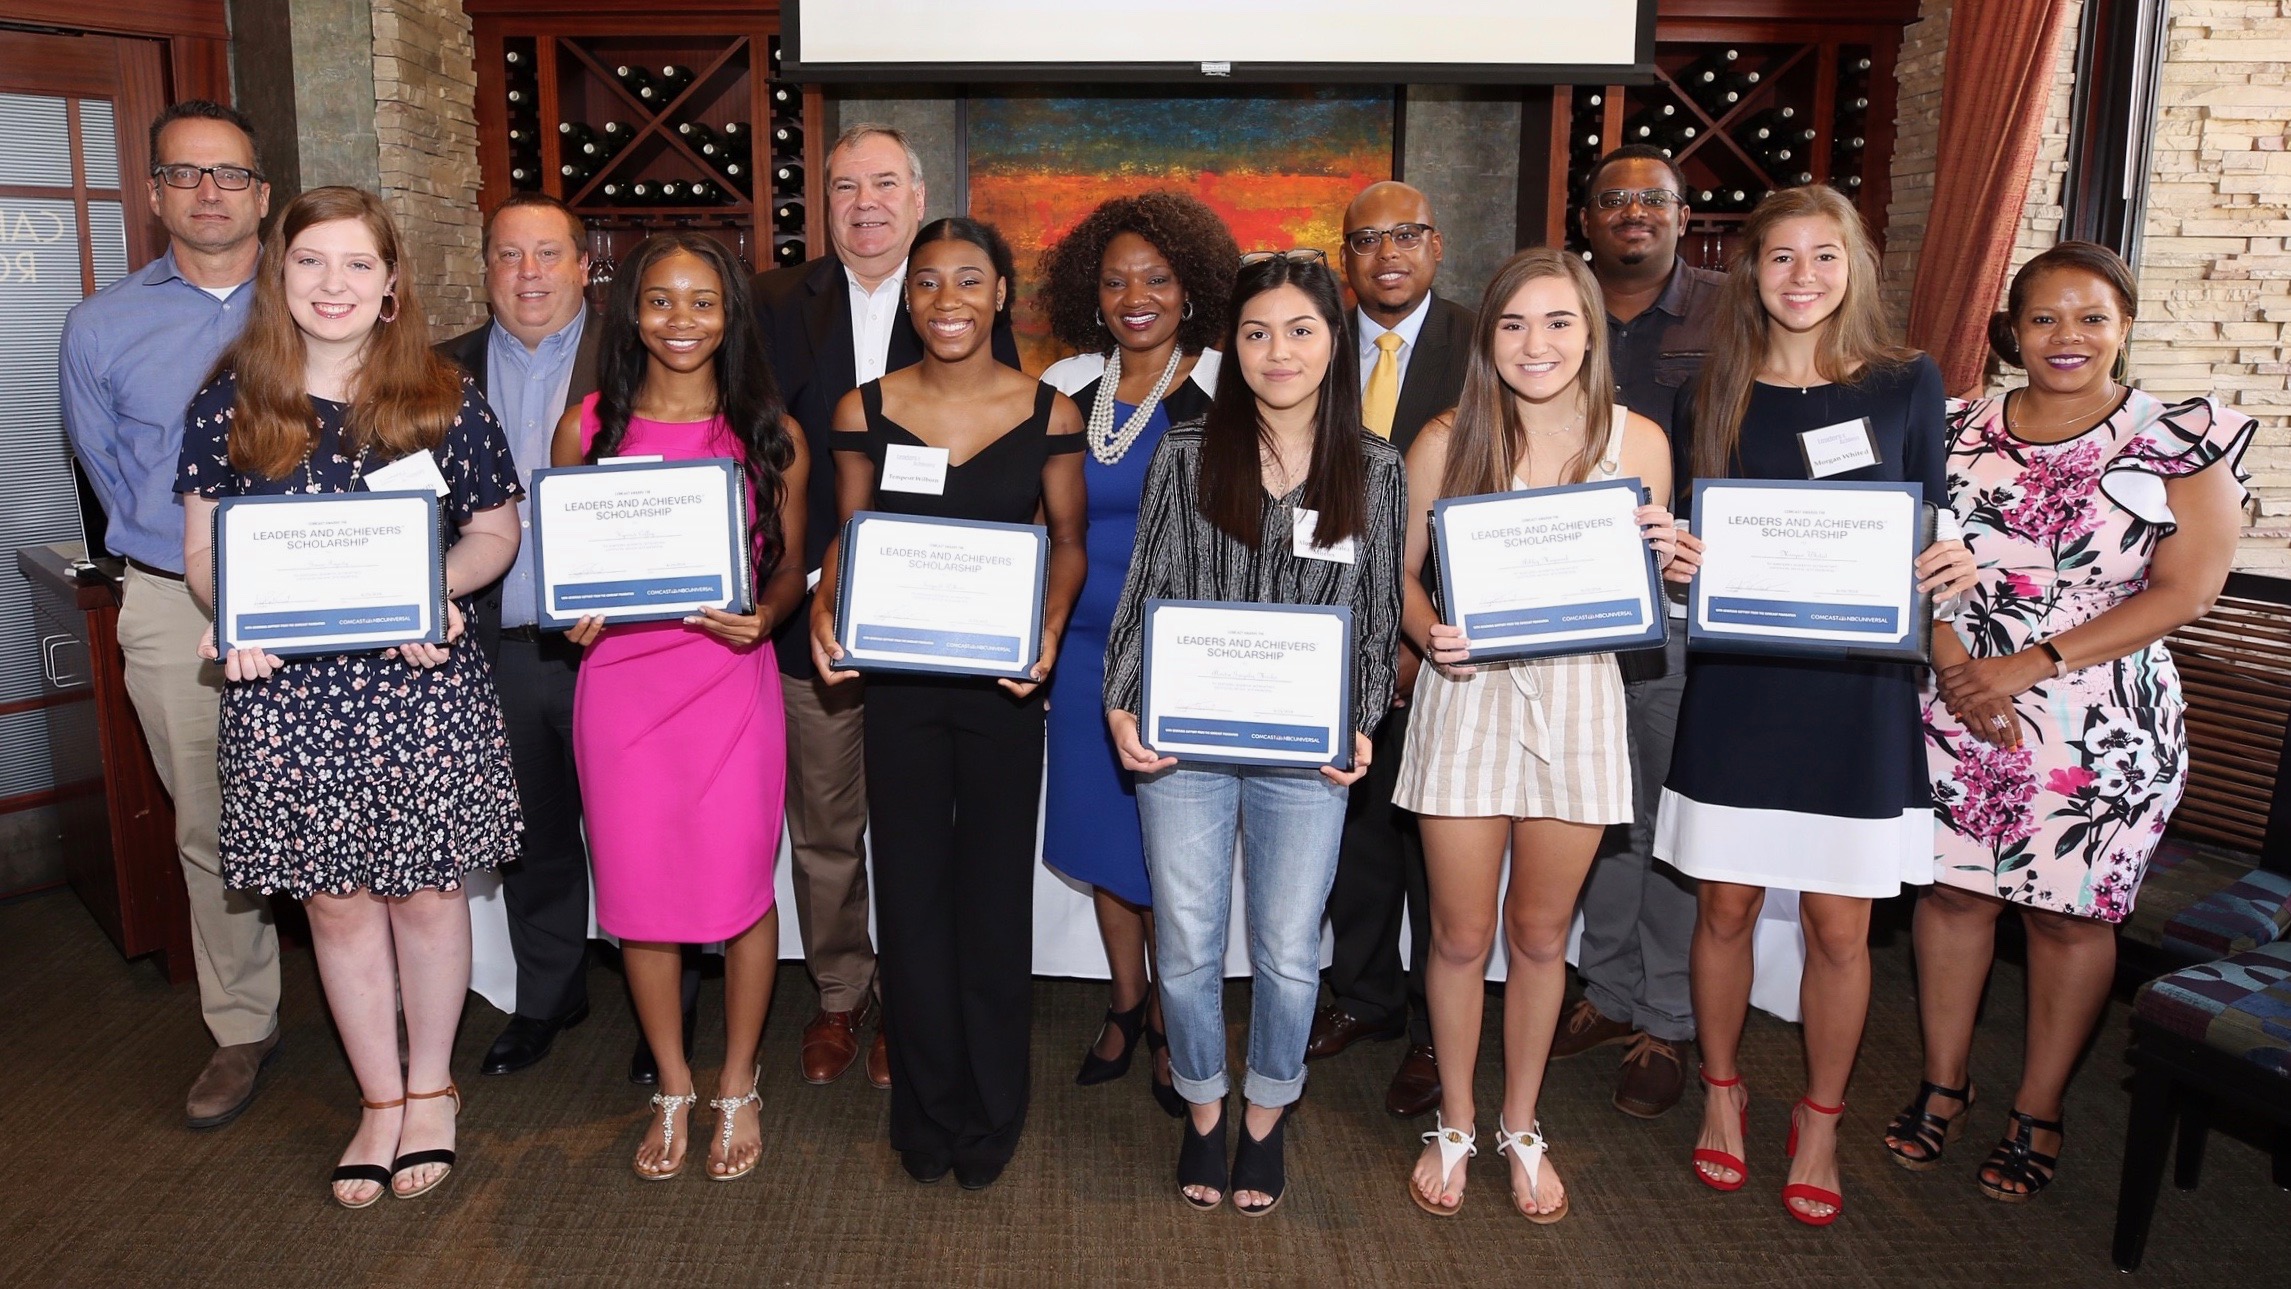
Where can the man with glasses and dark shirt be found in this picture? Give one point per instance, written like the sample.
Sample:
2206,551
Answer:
1638,916
1413,346
133,354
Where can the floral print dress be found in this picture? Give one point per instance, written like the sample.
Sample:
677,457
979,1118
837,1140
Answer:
2063,532
356,771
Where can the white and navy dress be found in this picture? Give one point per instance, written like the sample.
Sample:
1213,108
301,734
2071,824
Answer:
1809,774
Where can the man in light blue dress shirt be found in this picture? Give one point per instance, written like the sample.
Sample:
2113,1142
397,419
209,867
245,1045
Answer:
133,355
533,360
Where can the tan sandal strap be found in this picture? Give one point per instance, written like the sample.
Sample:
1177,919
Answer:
381,1105
449,1090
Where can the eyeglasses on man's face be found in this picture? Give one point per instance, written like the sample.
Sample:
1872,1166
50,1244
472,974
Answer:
1650,198
1366,241
1300,256
227,178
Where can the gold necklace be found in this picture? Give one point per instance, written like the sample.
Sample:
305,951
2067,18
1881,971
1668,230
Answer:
2111,392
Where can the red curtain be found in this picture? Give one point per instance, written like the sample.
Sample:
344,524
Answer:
1996,83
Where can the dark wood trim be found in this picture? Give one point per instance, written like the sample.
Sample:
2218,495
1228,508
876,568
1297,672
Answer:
38,702
166,19
1544,113
1822,12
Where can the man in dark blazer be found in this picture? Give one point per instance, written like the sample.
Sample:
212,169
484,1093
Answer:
834,323
1413,346
535,358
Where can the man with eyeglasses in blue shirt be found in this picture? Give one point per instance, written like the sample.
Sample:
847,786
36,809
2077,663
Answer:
1638,916
132,356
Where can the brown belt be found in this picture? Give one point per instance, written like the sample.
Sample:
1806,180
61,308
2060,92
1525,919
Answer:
141,567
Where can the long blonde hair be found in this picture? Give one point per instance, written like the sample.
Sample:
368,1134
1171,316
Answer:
1487,439
403,398
1856,340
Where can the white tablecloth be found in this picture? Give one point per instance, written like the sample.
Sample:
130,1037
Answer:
1066,939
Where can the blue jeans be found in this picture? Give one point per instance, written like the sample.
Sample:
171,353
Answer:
1291,822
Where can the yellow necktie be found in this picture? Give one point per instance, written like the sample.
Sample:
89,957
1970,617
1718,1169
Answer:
1382,397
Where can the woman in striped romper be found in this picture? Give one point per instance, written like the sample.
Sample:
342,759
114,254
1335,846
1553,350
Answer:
1528,755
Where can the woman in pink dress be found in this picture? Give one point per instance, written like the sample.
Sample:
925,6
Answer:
677,728
2102,519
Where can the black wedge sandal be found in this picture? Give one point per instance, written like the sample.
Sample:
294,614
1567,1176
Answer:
1201,1162
1164,1094
1918,1136
1258,1166
1098,1069
2015,1161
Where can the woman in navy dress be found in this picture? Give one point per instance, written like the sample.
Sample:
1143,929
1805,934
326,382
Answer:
1802,774
1139,288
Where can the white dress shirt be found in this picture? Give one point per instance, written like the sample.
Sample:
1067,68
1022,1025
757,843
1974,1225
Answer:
1410,327
872,313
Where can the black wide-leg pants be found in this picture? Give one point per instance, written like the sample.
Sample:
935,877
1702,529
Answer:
954,785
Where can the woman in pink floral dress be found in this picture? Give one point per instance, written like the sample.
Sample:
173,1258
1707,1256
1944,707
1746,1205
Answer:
2056,736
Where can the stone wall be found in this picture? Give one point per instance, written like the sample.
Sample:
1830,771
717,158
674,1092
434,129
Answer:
425,125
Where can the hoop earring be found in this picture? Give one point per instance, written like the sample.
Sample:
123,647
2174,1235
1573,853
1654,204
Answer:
390,298
1186,314
2122,370
1100,315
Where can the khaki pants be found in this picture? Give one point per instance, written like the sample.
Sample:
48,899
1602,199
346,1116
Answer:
178,699
827,831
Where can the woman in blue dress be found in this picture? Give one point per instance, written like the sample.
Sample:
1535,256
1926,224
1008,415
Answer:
1139,288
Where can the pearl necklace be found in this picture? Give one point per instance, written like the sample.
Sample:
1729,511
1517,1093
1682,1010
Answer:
1106,443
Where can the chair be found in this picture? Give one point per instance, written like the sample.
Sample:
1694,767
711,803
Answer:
2214,1034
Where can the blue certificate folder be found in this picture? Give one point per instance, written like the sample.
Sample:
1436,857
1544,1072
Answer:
942,649
306,531
1769,623
638,594
1233,738
1621,622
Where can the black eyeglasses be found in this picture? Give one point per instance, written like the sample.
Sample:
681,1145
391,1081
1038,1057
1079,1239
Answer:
1300,255
1366,241
227,178
1651,198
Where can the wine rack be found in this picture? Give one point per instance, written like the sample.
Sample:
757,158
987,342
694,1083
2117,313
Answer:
1745,101
668,119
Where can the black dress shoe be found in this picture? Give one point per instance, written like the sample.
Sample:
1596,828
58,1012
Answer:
977,1175
642,1069
924,1166
526,1039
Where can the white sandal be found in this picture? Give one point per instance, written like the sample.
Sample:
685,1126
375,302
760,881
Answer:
668,1106
1456,1146
724,1108
1529,1148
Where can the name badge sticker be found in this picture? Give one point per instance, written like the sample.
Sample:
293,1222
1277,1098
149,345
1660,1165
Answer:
1835,449
414,472
1303,529
914,469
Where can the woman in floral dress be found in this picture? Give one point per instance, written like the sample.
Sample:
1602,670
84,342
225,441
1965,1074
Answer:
2056,738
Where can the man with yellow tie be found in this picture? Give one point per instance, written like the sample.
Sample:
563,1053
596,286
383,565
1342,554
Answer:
1413,346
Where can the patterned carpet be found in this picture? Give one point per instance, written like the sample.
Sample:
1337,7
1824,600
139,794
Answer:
100,1184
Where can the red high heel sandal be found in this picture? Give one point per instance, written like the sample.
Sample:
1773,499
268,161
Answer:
1800,1190
1733,1163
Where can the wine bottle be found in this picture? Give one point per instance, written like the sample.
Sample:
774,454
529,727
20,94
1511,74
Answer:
786,99
698,135
788,175
787,250
575,174
736,173
673,78
734,133
1853,103
574,133
521,99
522,139
614,192
643,192
701,192
635,80
787,216
788,140
518,60
524,176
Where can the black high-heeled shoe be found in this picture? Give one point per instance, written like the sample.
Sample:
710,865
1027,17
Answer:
1098,1069
1259,1166
1164,1094
1201,1162
1918,1136
2017,1163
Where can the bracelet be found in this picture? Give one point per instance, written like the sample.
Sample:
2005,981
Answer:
2059,664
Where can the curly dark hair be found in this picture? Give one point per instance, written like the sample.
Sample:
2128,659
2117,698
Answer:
1187,232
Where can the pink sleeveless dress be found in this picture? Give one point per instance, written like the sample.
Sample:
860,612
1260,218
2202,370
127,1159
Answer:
682,752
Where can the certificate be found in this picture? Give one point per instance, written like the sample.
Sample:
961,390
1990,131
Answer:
328,572
640,541
1250,684
1820,569
954,596
1549,571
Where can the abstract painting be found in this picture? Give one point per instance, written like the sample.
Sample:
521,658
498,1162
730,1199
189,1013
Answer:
1279,164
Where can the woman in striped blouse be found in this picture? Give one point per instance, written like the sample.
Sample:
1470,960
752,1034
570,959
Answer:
1278,496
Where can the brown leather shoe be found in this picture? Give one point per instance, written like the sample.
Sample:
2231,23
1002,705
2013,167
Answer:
1415,1086
1583,1027
879,1060
1653,1076
1335,1029
224,1090
830,1045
